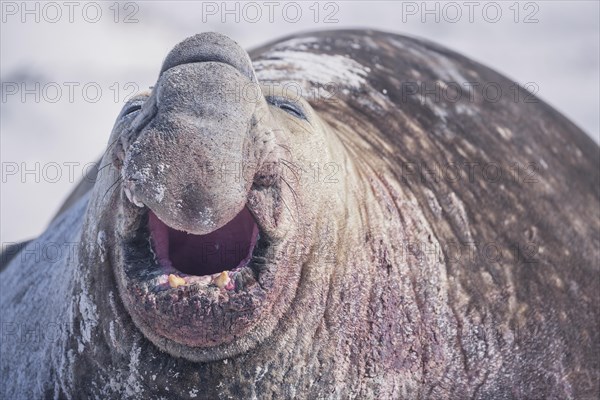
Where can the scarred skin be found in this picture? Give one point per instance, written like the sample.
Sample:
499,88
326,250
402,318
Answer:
376,281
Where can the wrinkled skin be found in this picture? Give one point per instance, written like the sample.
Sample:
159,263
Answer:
373,301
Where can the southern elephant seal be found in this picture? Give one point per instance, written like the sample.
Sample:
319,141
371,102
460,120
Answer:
245,241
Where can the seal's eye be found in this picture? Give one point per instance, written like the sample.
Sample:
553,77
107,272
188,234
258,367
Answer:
292,109
287,106
132,108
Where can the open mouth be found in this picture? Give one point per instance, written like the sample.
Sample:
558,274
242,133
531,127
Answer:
190,287
159,257
218,255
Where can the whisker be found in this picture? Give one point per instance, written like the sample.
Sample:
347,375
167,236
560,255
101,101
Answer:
104,166
291,189
292,164
295,197
112,186
286,148
109,146
296,175
288,208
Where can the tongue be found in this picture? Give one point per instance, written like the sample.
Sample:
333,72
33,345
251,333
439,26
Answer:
226,248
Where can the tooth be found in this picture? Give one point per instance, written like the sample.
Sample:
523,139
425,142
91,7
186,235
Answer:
131,197
176,281
222,279
137,202
127,193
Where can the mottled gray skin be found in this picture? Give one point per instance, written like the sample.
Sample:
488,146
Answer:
378,302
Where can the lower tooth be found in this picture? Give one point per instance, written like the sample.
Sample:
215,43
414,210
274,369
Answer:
176,281
222,280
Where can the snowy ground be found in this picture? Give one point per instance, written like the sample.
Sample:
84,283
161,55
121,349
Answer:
559,53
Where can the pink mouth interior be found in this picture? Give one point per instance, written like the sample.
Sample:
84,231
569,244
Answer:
226,248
